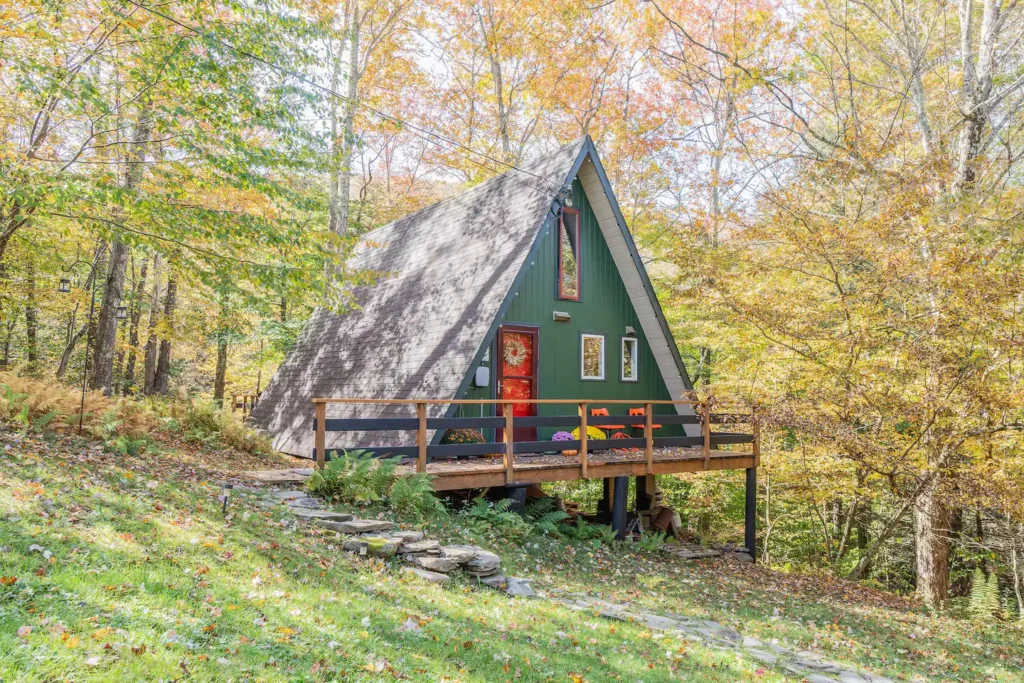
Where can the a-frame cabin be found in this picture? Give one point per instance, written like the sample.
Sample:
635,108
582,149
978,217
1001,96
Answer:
527,287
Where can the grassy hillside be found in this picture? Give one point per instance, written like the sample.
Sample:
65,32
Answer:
123,568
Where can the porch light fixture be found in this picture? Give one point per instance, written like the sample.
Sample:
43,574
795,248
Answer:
64,286
122,312
630,332
564,195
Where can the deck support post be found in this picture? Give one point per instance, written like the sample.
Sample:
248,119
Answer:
604,506
583,440
648,438
421,437
509,446
750,514
517,494
320,440
705,432
620,492
646,485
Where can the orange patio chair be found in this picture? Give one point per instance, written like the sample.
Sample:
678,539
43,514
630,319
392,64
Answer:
603,412
639,412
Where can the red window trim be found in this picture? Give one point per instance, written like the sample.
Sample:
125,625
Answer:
579,256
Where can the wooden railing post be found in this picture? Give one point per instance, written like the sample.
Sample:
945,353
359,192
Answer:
583,440
756,421
705,428
509,446
320,442
421,437
649,437
234,402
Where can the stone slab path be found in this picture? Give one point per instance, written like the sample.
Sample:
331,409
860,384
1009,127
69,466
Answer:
811,666
428,560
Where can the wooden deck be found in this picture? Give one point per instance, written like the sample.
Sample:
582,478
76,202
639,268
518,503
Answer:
535,469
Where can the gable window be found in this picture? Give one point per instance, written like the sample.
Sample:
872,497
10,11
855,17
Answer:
630,347
569,264
591,356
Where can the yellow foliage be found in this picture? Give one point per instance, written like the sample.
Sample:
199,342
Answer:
47,402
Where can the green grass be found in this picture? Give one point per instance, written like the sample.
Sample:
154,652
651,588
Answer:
148,580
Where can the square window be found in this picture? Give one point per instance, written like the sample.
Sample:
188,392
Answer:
630,347
591,356
569,255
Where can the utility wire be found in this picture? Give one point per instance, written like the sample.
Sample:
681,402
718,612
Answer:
425,134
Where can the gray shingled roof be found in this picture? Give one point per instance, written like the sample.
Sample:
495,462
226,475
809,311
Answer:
448,268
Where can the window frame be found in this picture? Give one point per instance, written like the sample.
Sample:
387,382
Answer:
579,256
622,358
604,352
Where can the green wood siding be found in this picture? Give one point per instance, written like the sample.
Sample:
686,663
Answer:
604,308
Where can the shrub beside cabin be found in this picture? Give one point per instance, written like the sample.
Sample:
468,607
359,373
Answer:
527,286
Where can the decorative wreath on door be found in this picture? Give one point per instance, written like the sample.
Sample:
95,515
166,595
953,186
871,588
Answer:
515,352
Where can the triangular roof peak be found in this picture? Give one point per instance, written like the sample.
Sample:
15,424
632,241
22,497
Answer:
449,272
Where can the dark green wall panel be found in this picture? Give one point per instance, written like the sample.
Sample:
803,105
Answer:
604,308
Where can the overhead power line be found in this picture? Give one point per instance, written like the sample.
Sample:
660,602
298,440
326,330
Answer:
425,134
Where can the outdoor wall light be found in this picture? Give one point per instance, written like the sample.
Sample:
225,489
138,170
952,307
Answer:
225,494
64,285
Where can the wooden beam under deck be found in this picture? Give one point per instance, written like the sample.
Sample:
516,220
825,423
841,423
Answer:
493,473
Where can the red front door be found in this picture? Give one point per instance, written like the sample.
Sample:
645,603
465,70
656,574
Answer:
517,374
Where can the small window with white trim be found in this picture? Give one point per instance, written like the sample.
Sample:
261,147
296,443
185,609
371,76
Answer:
591,356
630,347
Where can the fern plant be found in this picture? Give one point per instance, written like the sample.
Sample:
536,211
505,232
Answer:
544,516
597,534
651,541
497,521
413,495
984,602
354,477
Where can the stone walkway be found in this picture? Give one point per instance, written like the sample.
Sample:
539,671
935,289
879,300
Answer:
809,665
427,558
430,561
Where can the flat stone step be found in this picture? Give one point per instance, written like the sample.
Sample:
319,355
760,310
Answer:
377,547
428,546
304,503
356,526
433,563
309,513
289,494
425,575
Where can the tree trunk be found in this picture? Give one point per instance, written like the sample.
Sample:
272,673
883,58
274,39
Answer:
7,343
106,328
344,139
222,367
162,380
133,332
31,320
494,57
149,372
931,523
65,357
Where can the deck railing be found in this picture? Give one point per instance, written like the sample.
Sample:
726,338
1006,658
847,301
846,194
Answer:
244,402
508,447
